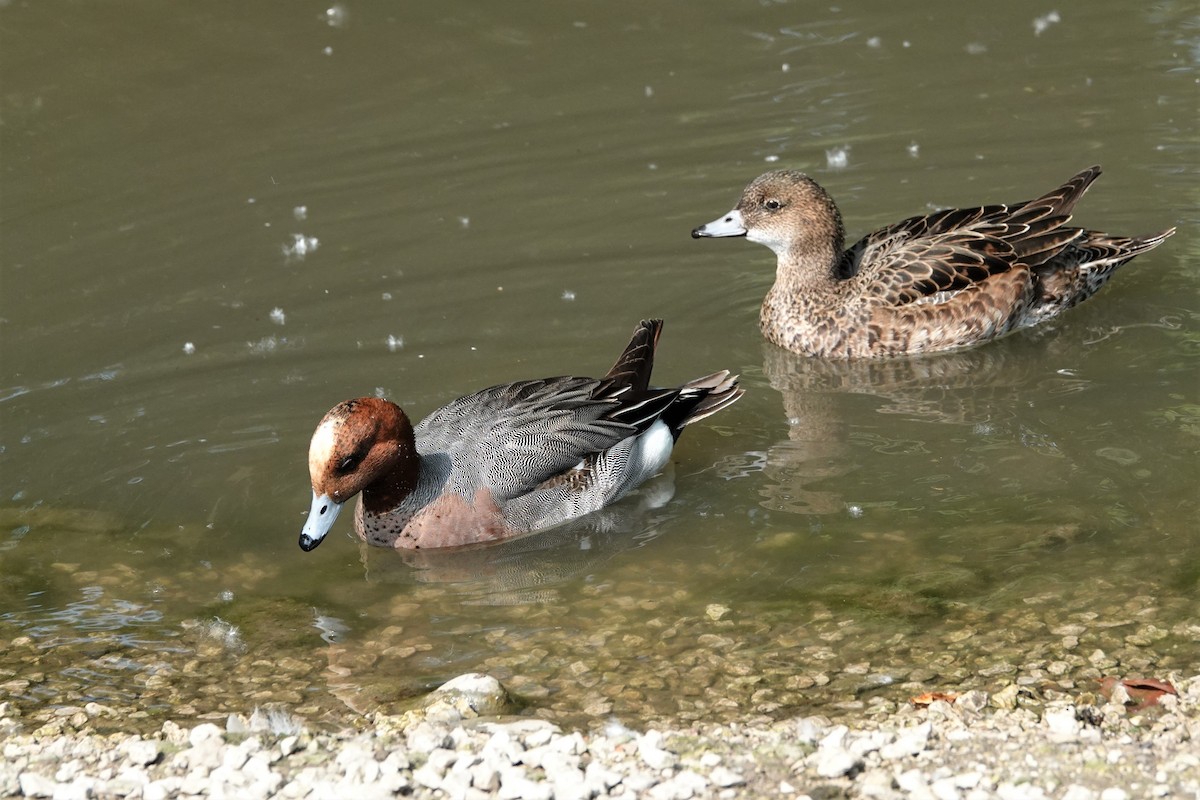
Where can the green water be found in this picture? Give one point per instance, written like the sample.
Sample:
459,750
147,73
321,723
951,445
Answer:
501,194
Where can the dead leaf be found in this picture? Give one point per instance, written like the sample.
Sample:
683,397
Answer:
1143,692
923,700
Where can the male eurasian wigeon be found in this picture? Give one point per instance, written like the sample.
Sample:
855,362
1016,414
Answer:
934,282
506,460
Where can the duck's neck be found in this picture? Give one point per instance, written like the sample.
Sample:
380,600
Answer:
399,478
807,268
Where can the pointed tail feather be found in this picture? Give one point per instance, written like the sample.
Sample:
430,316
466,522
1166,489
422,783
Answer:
1105,249
715,392
634,366
1061,201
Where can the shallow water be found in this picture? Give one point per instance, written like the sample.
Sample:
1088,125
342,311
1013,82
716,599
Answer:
483,196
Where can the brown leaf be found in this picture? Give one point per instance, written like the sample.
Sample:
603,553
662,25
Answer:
1143,692
923,700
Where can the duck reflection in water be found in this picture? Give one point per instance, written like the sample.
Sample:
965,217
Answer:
532,568
822,398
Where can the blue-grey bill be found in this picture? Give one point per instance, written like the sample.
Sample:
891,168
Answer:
320,519
730,224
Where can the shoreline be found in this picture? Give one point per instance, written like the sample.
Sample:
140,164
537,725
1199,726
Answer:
979,746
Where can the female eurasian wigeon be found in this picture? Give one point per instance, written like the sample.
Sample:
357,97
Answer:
506,460
934,282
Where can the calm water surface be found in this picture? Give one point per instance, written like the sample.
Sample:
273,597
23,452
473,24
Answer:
217,222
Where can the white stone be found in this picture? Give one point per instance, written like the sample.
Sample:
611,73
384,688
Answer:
360,791
442,760
716,611
1020,791
911,781
223,778
876,783
485,776
68,770
194,783
233,758
427,776
967,780
944,789
394,762
600,779
725,777
456,783
472,694
424,738
869,742
834,762
572,743
1062,724
909,742
127,783
1077,792
205,756
809,730
157,790
258,768
554,763
81,788
142,752
1114,793
174,733
652,754
638,782
686,784
836,738
569,785
204,732
515,786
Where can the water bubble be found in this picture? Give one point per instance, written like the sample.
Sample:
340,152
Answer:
301,246
1043,22
838,157
336,15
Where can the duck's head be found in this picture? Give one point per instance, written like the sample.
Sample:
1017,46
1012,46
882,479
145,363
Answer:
357,445
785,210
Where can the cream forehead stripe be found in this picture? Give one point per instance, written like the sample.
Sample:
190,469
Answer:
320,450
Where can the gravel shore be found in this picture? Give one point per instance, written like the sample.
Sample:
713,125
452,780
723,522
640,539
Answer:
978,746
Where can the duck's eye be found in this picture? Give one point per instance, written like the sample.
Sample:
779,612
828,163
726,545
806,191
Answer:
773,204
349,462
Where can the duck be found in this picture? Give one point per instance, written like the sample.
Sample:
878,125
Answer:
941,281
507,460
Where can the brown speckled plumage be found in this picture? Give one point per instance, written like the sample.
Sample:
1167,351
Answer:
935,282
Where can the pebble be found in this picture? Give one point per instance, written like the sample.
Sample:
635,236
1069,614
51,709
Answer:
834,762
951,753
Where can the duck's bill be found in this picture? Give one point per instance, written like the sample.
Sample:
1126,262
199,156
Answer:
320,519
728,225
